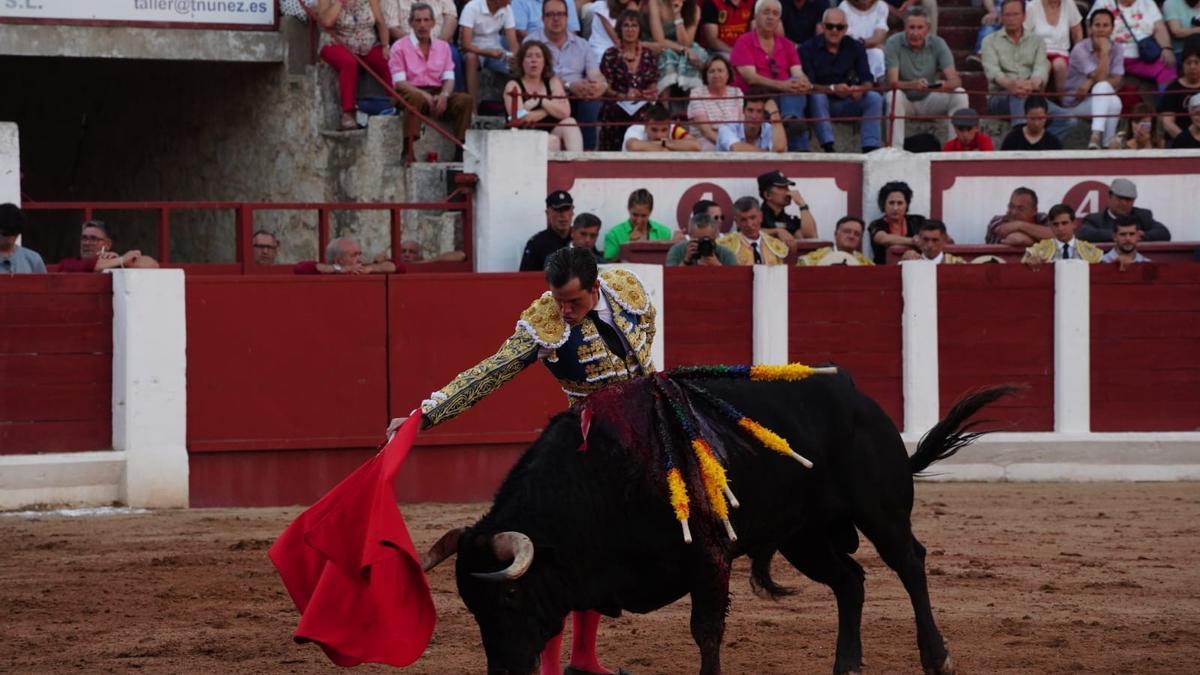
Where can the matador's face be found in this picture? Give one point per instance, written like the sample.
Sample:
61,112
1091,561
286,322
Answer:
574,301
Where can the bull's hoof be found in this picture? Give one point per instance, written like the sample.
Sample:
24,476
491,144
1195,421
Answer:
947,667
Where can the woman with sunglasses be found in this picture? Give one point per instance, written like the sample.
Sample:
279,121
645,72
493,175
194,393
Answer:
764,58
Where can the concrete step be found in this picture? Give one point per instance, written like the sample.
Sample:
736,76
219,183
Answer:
958,16
959,37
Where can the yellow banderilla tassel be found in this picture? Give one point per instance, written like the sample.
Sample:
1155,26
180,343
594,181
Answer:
679,501
790,372
772,440
713,475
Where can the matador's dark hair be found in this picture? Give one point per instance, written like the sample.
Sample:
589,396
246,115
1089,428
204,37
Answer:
571,263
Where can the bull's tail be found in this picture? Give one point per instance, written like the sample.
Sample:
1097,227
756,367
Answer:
953,432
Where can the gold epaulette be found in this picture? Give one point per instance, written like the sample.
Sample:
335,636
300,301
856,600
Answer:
776,245
627,290
951,259
543,322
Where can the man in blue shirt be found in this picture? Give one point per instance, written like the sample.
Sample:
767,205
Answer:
801,18
760,129
528,16
15,259
838,70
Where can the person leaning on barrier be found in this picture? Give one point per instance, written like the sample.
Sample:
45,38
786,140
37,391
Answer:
345,256
16,259
931,241
265,247
410,252
657,133
968,137
842,83
921,67
897,227
423,73
750,244
701,247
1021,224
760,130
96,252
847,240
1062,245
1122,193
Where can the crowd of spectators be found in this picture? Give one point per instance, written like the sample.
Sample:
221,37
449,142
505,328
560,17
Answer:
585,72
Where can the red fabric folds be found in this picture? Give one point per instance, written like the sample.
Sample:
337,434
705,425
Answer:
349,564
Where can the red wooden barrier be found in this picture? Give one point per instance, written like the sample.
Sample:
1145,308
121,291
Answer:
1145,348
851,316
709,316
55,363
996,325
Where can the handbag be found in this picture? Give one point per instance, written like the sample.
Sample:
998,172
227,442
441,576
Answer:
1148,48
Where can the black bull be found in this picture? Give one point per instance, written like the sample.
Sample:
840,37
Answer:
593,529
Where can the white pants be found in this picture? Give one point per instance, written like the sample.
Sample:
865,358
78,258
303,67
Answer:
936,103
1098,106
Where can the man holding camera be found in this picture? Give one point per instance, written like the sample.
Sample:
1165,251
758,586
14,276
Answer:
700,247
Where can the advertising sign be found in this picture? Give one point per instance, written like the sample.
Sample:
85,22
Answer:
248,13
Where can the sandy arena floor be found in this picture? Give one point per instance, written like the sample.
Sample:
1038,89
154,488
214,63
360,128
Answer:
1025,579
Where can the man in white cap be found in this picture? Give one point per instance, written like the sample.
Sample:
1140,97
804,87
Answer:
1122,193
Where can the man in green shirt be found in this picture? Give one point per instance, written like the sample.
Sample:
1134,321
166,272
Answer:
1014,61
701,247
638,227
914,59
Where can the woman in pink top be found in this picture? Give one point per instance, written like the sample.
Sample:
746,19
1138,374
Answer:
764,58
715,103
358,28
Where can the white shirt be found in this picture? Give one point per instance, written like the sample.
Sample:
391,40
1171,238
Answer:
1057,37
486,26
598,39
1072,248
864,24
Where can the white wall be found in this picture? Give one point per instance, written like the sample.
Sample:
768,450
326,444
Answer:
510,200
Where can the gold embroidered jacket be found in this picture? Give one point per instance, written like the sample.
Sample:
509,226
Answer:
772,250
1051,249
813,257
576,355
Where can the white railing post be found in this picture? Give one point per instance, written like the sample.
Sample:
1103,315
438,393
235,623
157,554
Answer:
920,345
1072,347
770,318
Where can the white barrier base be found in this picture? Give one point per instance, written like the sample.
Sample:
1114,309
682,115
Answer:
74,478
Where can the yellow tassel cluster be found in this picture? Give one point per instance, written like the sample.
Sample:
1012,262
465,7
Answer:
765,436
713,475
792,371
679,495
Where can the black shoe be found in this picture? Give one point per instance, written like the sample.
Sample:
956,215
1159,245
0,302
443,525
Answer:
872,148
828,147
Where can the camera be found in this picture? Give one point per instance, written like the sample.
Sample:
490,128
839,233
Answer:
705,247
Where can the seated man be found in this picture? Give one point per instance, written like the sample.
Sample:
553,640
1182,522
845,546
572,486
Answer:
574,63
701,247
96,253
265,246
774,189
657,133
345,256
1014,61
932,239
410,252
1062,245
847,238
1021,224
423,73
749,245
560,211
488,38
842,83
760,130
1122,193
921,66
1126,235
1032,134
15,259
967,135
585,231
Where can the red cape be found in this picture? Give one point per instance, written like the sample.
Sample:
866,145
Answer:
350,567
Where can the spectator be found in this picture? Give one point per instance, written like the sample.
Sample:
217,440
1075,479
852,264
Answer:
722,22
838,67
1122,193
760,130
761,58
530,17
1059,25
749,244
265,246
657,133
897,227
989,23
574,64
867,23
483,23
540,98
1183,23
701,247
1190,137
931,242
423,73
898,9
410,252
1126,236
1140,131
344,256
604,34
1021,224
1138,20
396,13
639,226
922,67
1175,102
1032,135
585,231
775,190
709,207
847,238
632,74
967,135
673,25
1062,244
715,103
560,211
802,17
1014,61
96,252
356,28
14,258
1094,74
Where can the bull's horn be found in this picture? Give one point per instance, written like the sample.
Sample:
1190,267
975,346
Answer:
508,545
444,548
